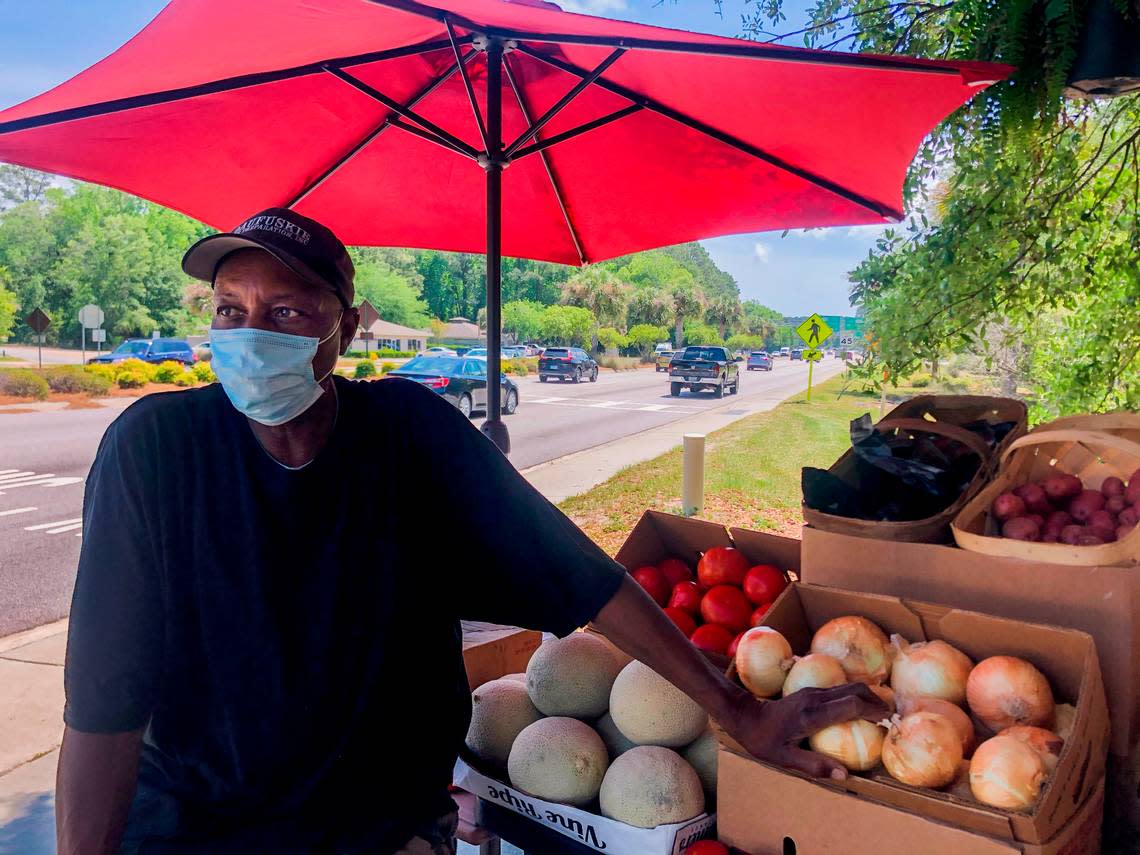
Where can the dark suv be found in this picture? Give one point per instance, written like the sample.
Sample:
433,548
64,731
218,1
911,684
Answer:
567,363
150,350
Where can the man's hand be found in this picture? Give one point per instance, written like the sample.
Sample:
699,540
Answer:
772,730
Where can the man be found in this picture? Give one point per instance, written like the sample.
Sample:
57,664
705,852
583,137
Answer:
264,650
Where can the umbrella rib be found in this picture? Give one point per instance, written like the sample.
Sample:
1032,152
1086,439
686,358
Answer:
470,89
558,195
213,87
577,131
562,102
461,61
449,139
720,136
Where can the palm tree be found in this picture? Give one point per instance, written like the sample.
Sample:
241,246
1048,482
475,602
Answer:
600,291
687,300
647,306
723,311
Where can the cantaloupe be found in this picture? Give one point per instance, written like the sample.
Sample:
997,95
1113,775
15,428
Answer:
650,786
649,710
572,676
615,740
559,759
701,755
500,710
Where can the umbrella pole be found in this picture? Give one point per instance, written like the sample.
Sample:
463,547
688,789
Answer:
493,427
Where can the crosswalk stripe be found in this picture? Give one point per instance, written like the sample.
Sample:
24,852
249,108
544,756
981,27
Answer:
53,524
654,408
64,528
14,474
12,511
605,405
6,471
25,482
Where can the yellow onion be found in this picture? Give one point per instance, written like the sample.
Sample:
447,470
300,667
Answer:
856,744
930,669
859,645
763,658
1064,717
1006,773
1044,742
1004,691
886,695
957,717
816,670
922,749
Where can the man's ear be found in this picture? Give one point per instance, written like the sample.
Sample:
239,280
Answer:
349,322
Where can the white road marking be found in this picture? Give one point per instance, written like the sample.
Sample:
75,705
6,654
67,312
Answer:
544,400
14,474
6,471
53,524
40,481
605,405
654,408
31,479
63,528
12,511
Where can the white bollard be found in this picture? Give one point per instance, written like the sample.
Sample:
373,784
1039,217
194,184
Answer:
693,474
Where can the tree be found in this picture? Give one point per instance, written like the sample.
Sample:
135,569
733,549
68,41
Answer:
744,341
648,308
760,320
522,319
612,339
19,185
724,312
687,300
567,325
7,306
600,291
700,333
645,337
396,300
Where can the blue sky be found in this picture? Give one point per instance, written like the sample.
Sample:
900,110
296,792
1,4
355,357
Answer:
43,42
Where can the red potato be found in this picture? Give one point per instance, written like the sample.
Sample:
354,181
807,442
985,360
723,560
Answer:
1102,518
1062,486
1132,491
687,596
683,619
1034,497
1089,540
653,582
1037,518
1051,536
1021,528
1070,534
1086,504
711,638
1129,516
675,570
1007,506
1115,504
1107,533
1112,486
1058,520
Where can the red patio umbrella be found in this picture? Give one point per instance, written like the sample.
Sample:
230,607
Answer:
488,126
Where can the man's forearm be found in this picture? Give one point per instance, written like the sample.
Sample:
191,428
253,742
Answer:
633,622
95,783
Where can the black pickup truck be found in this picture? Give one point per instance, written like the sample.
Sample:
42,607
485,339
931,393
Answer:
704,367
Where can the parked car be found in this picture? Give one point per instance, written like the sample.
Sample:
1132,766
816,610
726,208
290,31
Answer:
663,359
798,353
532,349
514,351
149,350
759,360
439,351
203,352
704,367
785,351
567,363
461,380
662,346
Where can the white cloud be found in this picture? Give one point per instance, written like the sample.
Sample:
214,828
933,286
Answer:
814,234
600,8
761,252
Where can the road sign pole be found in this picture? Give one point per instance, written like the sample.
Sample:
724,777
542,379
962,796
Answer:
40,349
811,365
82,345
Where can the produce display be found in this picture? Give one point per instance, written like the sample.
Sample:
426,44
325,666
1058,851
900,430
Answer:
644,758
726,596
1062,509
989,732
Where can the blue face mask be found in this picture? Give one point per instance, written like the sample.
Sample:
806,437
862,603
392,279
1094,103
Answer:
268,376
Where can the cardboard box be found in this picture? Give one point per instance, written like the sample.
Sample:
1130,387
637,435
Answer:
491,651
1102,601
658,536
590,829
762,811
1067,658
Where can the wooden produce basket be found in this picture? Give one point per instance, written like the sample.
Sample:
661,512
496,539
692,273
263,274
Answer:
942,415
1092,448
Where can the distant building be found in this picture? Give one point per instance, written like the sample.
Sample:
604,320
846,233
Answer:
394,336
461,331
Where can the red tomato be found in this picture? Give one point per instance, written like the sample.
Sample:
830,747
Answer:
711,638
687,596
758,615
706,847
722,565
726,606
653,582
763,583
735,643
683,619
675,570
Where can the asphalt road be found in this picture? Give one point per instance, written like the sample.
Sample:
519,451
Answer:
50,355
44,457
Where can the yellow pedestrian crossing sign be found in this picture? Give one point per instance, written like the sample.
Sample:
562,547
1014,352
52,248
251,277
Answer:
814,331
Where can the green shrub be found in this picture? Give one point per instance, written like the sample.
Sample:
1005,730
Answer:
23,383
388,353
203,373
136,368
168,372
100,369
620,363
387,366
364,369
76,379
920,380
132,378
518,367
186,380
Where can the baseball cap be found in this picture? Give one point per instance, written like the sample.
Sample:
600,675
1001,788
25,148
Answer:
303,245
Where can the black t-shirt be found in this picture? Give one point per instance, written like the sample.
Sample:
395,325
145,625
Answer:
290,638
